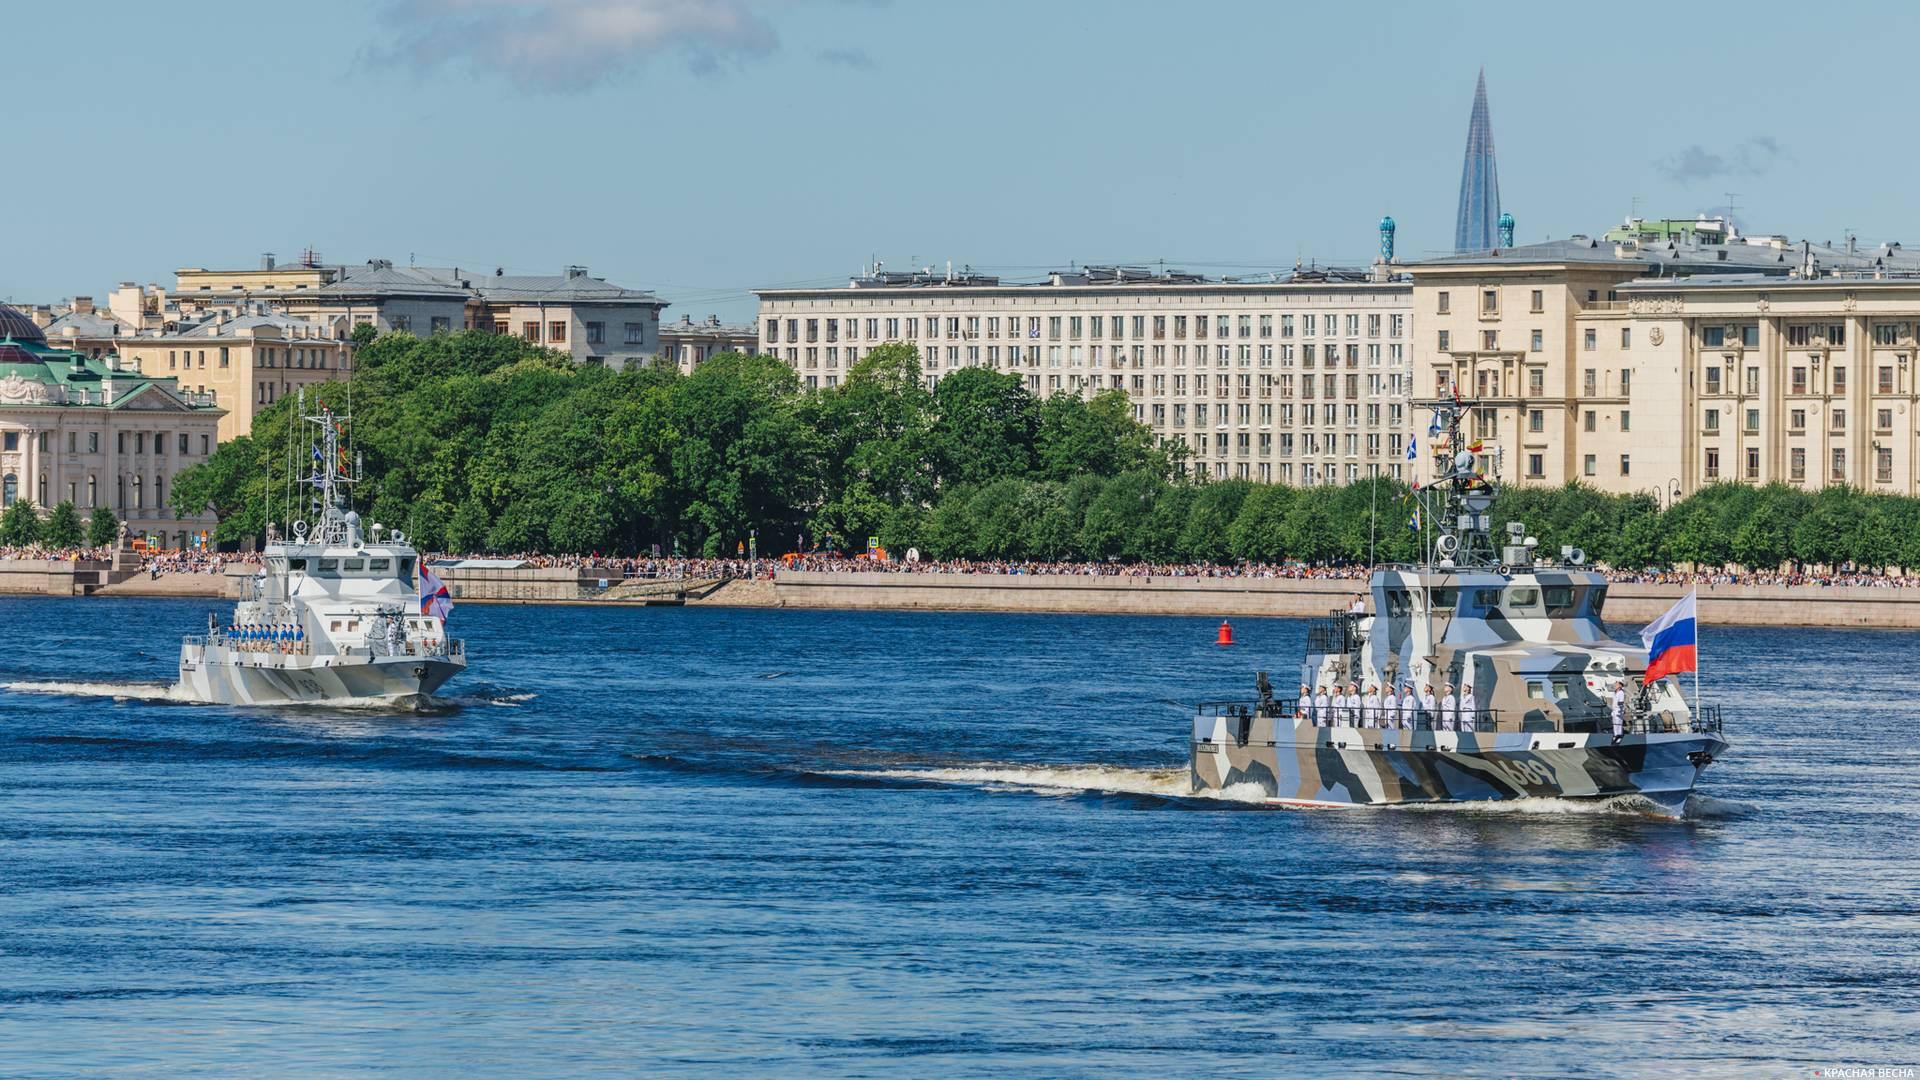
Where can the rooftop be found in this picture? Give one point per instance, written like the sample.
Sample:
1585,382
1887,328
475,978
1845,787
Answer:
1100,277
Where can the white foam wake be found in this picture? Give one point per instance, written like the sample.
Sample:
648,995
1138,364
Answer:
1613,805
118,691
1071,780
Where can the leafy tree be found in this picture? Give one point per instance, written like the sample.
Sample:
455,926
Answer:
103,529
62,529
1095,437
363,335
983,427
20,525
1258,533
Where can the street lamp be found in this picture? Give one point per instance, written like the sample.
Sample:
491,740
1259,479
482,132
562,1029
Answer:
1673,491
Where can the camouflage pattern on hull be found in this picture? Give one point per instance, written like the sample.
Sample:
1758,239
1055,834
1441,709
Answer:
1348,766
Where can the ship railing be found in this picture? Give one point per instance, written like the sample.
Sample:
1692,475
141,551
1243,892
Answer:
1338,633
1483,720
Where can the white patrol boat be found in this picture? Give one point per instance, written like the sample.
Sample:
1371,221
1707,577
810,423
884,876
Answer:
333,615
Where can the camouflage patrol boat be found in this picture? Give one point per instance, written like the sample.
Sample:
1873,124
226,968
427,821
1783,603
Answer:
1524,631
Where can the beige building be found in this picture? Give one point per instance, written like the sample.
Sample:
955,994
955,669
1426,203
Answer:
1665,358
242,363
73,428
1299,379
687,344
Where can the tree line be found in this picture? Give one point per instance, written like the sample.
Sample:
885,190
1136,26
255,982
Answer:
482,442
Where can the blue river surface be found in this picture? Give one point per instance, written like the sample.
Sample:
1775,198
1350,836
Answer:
763,842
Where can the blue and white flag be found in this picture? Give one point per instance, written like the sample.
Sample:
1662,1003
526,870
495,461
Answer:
1412,449
1433,429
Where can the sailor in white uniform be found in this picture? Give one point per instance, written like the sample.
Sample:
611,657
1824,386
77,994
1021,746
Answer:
1409,705
1389,709
1429,707
1370,708
1322,714
1449,709
1353,704
1303,709
1466,707
1619,710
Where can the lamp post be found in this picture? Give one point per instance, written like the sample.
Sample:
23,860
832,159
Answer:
1673,492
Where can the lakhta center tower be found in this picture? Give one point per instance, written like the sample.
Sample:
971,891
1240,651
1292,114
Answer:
1479,180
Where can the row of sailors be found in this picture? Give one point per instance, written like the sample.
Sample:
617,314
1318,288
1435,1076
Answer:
267,638
1349,708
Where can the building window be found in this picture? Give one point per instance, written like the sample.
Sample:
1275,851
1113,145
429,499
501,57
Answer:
1536,420
1626,337
1753,463
1539,301
1590,340
637,333
557,332
1797,420
1446,343
1713,379
1839,421
1713,337
1797,463
401,322
1489,301
1590,421
596,333
1626,420
442,324
1536,466
1626,381
1885,383
1839,472
1587,465
1801,336
1591,382
1883,464
1490,340
1445,305
1836,334
1750,336
1886,334
1537,381
1753,380
1797,380
1537,342
530,331
1626,464
1713,463
1883,419
1839,378
1713,419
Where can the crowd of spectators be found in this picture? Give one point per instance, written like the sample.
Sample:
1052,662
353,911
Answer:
159,563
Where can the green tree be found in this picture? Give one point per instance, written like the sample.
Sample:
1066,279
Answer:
1096,437
984,424
62,528
1258,533
363,335
20,525
103,529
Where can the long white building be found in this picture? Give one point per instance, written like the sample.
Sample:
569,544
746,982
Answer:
1300,378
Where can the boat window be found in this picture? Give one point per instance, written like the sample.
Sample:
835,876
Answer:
278,566
334,625
406,567
328,566
1596,599
378,566
1443,599
354,624
296,564
1537,690
1526,597
353,566
1399,603
1485,600
1559,599
1560,691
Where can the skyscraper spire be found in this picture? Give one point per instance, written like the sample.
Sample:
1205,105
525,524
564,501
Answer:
1479,180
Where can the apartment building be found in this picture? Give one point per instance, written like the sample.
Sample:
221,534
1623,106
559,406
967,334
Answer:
687,344
1669,355
242,363
1298,378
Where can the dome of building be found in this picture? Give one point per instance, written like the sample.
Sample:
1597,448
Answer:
18,327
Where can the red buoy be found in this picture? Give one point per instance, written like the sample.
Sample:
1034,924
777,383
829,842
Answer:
1226,634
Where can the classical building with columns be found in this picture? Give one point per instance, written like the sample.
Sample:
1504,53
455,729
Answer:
95,433
1296,378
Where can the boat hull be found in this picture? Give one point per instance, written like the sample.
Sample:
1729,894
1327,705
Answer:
1297,764
277,680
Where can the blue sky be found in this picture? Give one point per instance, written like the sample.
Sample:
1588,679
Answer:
705,147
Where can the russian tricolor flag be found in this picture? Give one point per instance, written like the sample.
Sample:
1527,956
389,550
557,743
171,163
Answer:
1670,641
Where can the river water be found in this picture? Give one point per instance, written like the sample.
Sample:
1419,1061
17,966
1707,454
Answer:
780,842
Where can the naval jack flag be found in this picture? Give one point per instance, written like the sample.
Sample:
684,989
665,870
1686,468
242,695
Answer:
434,598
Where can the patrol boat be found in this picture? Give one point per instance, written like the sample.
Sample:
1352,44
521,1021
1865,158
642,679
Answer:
1523,630
333,615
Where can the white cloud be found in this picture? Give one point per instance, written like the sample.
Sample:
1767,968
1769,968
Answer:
573,44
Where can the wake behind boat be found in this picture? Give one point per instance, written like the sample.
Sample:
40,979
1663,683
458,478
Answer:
333,615
1535,697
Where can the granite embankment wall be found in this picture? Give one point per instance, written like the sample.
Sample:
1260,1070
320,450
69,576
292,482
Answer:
1628,604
